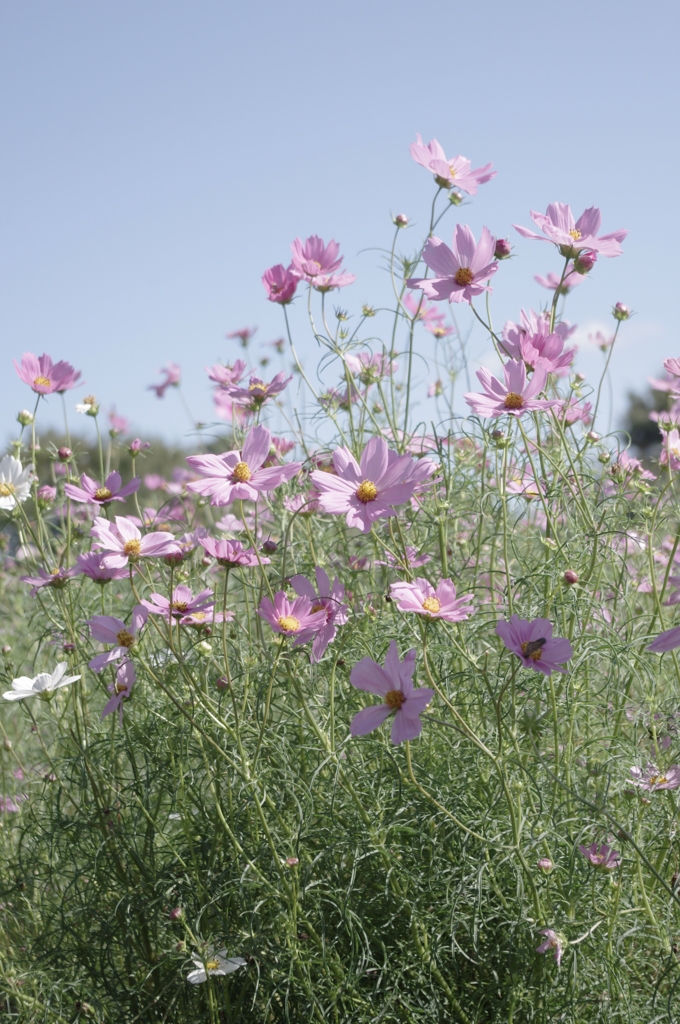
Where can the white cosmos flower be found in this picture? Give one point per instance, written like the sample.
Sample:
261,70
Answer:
15,482
43,684
216,963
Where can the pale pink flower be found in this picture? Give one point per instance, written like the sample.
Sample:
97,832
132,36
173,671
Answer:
514,397
296,617
602,342
603,857
435,389
572,411
551,941
431,318
652,778
109,629
409,560
185,608
327,282
123,542
235,476
225,376
394,683
366,491
327,598
231,554
229,410
45,377
449,173
55,578
172,373
91,491
313,259
626,466
305,504
126,676
534,644
530,325
572,237
670,449
92,564
370,367
280,283
460,272
422,598
552,281
524,483
244,335
667,419
258,391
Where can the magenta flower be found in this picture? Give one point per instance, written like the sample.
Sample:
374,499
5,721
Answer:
313,259
92,565
552,281
185,608
126,677
172,373
652,779
235,475
125,544
110,630
448,173
231,554
602,857
394,683
101,494
367,491
551,941
460,272
572,237
258,392
280,283
225,376
56,578
422,598
514,397
44,376
534,644
296,617
326,598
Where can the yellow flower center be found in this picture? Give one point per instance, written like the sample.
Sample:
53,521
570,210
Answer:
533,648
125,639
394,699
513,400
575,234
212,965
103,494
199,615
132,548
464,276
658,780
432,605
288,623
242,472
367,491
55,572
42,382
257,387
6,490
179,606
452,171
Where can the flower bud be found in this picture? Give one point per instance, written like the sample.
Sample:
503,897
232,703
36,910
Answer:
604,457
584,262
456,197
204,647
68,648
621,312
65,454
401,220
292,862
579,377
222,683
593,436
6,649
269,546
25,417
46,494
570,577
545,864
137,446
502,250
176,913
7,745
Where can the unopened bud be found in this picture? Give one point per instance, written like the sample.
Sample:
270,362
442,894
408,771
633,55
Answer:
46,494
222,683
291,862
204,647
456,197
269,546
137,446
65,454
545,864
6,649
25,417
584,262
401,220
570,577
7,744
593,436
621,312
579,377
68,647
604,457
176,913
502,250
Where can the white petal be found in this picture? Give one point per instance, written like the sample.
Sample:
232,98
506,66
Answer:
196,977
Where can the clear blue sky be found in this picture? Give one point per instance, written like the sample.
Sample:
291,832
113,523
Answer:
158,156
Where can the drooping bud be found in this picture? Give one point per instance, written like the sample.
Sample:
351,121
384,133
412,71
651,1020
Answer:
502,250
25,417
621,312
401,220
570,577
584,262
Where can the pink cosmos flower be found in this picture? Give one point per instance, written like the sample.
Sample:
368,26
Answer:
92,565
534,644
313,259
46,493
327,282
626,466
670,449
280,283
185,608
394,683
573,410
244,335
652,779
326,598
125,543
227,409
231,554
514,397
547,351
668,419
572,237
295,617
117,424
531,323
422,598
430,317
371,367
56,578
410,560
303,504
45,377
367,491
602,857
126,677
280,446
552,281
92,491
258,392
8,805
235,475
551,941
173,374
435,389
225,376
448,173
459,271
110,630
